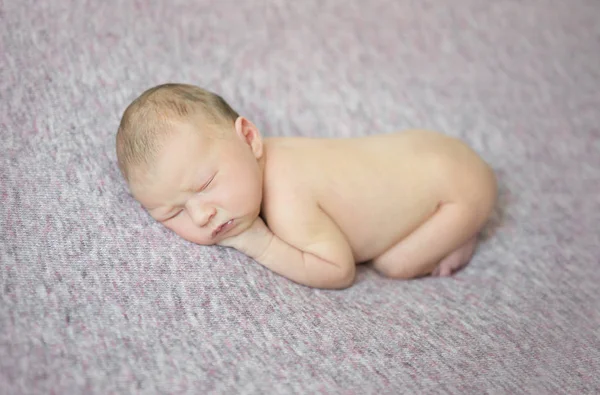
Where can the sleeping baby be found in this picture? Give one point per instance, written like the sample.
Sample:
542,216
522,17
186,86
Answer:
309,209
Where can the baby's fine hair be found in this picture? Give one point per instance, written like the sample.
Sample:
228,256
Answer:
149,119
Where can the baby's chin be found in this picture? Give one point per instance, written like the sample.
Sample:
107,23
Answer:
204,241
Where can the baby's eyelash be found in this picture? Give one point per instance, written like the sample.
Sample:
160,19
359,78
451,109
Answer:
203,187
172,216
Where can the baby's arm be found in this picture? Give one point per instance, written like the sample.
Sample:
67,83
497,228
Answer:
310,250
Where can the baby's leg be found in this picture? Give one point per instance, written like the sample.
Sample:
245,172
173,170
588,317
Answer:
447,240
456,260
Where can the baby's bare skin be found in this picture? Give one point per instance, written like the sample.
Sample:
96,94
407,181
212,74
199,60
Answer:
379,191
411,202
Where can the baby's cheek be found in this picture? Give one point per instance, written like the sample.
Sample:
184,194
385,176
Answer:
249,200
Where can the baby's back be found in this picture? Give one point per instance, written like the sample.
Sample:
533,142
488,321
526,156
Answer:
377,189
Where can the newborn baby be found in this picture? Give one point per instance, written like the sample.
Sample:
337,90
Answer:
308,209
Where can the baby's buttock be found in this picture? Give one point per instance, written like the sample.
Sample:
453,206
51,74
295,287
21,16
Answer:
381,199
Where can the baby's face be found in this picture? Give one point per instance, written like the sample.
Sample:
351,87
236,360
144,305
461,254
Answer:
204,189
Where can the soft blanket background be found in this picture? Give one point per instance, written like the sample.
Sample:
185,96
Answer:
97,298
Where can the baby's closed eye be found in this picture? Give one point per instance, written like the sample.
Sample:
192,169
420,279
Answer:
169,216
203,186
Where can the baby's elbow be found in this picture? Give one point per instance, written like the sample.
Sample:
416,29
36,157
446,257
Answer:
342,278
329,274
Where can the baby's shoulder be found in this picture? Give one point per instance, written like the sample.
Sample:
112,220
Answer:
285,203
289,187
286,186
287,164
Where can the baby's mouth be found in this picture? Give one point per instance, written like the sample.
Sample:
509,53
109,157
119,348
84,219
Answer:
223,228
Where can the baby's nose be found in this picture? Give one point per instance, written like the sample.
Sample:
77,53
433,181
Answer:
201,216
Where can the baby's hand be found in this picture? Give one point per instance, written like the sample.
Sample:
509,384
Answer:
335,270
253,242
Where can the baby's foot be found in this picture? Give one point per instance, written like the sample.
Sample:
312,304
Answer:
457,259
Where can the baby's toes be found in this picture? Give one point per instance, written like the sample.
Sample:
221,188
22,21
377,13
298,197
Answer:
447,270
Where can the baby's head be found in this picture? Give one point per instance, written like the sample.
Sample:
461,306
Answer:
192,162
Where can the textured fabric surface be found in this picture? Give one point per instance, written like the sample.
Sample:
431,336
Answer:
96,298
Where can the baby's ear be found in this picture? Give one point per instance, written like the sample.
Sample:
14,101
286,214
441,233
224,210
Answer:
250,135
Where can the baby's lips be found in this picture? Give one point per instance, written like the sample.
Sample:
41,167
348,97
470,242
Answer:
221,227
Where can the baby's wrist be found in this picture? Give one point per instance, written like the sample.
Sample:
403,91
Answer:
259,239
262,251
254,241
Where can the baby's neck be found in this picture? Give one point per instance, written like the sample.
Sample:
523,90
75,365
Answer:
262,165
